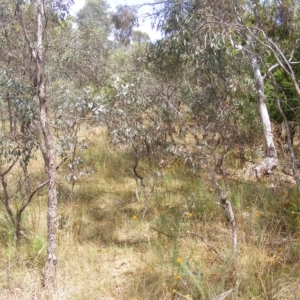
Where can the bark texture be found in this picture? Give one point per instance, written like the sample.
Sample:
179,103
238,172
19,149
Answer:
49,155
37,50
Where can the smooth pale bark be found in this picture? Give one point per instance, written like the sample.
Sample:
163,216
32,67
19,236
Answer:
263,110
271,160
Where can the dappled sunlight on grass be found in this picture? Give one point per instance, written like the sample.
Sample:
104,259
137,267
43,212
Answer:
180,248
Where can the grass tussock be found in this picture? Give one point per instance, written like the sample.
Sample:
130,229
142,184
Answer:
181,248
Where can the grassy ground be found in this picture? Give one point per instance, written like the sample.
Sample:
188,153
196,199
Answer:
181,249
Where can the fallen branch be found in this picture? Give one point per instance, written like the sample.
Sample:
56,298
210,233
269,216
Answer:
195,234
208,245
223,295
259,197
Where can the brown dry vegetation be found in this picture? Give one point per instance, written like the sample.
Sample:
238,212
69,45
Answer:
108,251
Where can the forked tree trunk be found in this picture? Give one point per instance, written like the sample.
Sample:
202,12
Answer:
271,160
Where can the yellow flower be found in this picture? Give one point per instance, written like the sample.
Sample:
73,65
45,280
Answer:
134,217
176,277
179,260
174,291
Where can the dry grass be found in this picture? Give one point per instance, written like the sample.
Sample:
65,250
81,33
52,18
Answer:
106,249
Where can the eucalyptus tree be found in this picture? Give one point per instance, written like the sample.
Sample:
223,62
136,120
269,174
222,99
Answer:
280,22
94,14
225,29
18,109
209,74
19,105
37,45
124,19
15,67
76,68
41,52
135,106
18,144
259,39
139,36
268,35
89,45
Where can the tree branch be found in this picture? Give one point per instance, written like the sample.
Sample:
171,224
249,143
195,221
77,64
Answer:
19,15
30,197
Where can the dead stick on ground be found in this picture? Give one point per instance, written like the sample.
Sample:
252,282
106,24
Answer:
226,205
228,209
137,176
195,234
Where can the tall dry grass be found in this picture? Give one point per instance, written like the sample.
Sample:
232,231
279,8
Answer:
181,249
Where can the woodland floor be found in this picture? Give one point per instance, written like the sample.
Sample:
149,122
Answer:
181,249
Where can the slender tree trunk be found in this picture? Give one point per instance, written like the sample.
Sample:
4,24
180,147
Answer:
49,275
271,160
47,146
49,157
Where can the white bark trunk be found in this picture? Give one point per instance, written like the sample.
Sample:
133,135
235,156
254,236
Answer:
264,114
271,160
